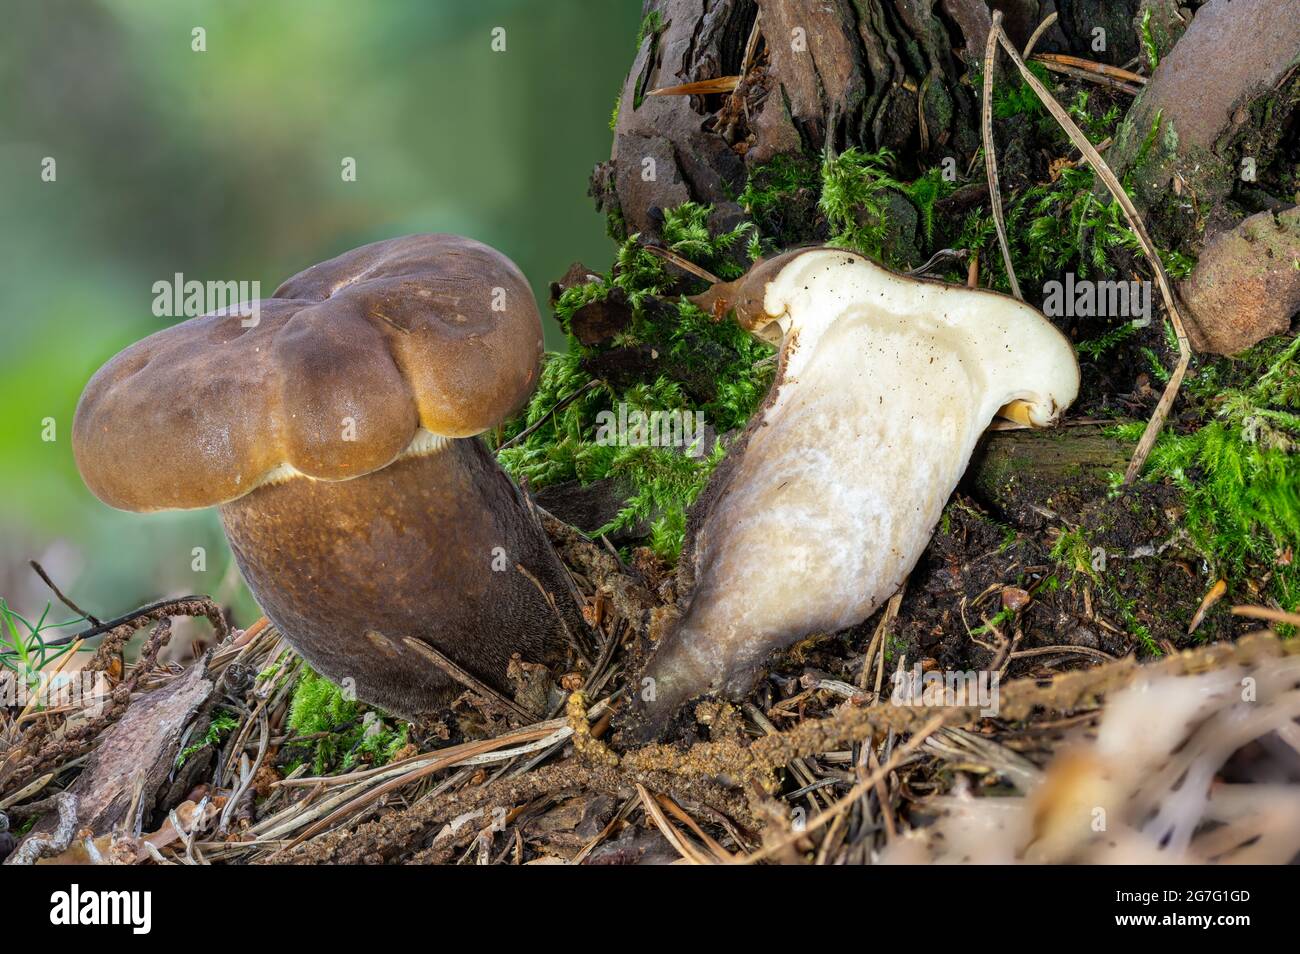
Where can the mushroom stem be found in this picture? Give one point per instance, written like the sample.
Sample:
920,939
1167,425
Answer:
439,547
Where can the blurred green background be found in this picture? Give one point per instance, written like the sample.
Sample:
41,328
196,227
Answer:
226,165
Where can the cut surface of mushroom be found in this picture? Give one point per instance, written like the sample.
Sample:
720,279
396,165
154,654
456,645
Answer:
829,497
335,435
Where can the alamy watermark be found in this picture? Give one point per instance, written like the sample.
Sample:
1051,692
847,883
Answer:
952,687
133,909
83,691
632,427
1085,298
182,298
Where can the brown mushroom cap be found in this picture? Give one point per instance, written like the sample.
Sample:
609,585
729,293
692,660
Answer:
349,360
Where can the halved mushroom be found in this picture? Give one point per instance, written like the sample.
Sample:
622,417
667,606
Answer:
829,497
336,436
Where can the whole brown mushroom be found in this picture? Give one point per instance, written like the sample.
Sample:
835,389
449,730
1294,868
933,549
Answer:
336,436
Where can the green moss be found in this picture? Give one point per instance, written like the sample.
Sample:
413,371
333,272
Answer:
1065,226
1069,224
1000,619
853,199
1073,551
1096,126
1009,539
380,741
771,191
1155,365
319,705
334,731
1016,97
924,193
710,368
222,724
1096,347
615,224
651,24
1148,41
1240,472
845,201
1128,614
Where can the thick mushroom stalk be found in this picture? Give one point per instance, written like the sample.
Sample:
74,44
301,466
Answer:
336,434
828,499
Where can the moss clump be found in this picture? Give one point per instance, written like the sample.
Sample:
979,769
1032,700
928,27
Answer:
336,732
844,202
319,705
925,192
781,198
1094,348
651,24
1015,97
1068,224
1240,471
222,724
854,199
1147,36
1073,551
709,368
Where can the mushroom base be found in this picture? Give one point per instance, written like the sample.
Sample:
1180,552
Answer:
436,549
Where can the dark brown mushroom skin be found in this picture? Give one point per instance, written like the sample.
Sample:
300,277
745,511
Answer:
427,549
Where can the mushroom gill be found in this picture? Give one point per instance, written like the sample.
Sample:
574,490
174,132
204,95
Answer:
829,497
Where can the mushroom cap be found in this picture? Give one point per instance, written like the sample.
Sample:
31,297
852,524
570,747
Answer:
1022,361
349,363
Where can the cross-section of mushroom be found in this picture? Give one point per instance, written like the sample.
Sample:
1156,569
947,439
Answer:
336,435
829,497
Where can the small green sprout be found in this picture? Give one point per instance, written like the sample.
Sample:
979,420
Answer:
25,649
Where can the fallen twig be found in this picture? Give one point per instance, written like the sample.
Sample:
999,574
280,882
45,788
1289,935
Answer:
675,838
1089,76
1090,66
861,788
685,264
1267,613
181,606
40,571
41,845
1038,33
468,679
720,84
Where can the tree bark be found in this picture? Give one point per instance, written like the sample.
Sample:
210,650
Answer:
823,75
1208,106
1209,148
820,74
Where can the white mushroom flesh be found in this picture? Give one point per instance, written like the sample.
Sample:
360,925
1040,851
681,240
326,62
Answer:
886,384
